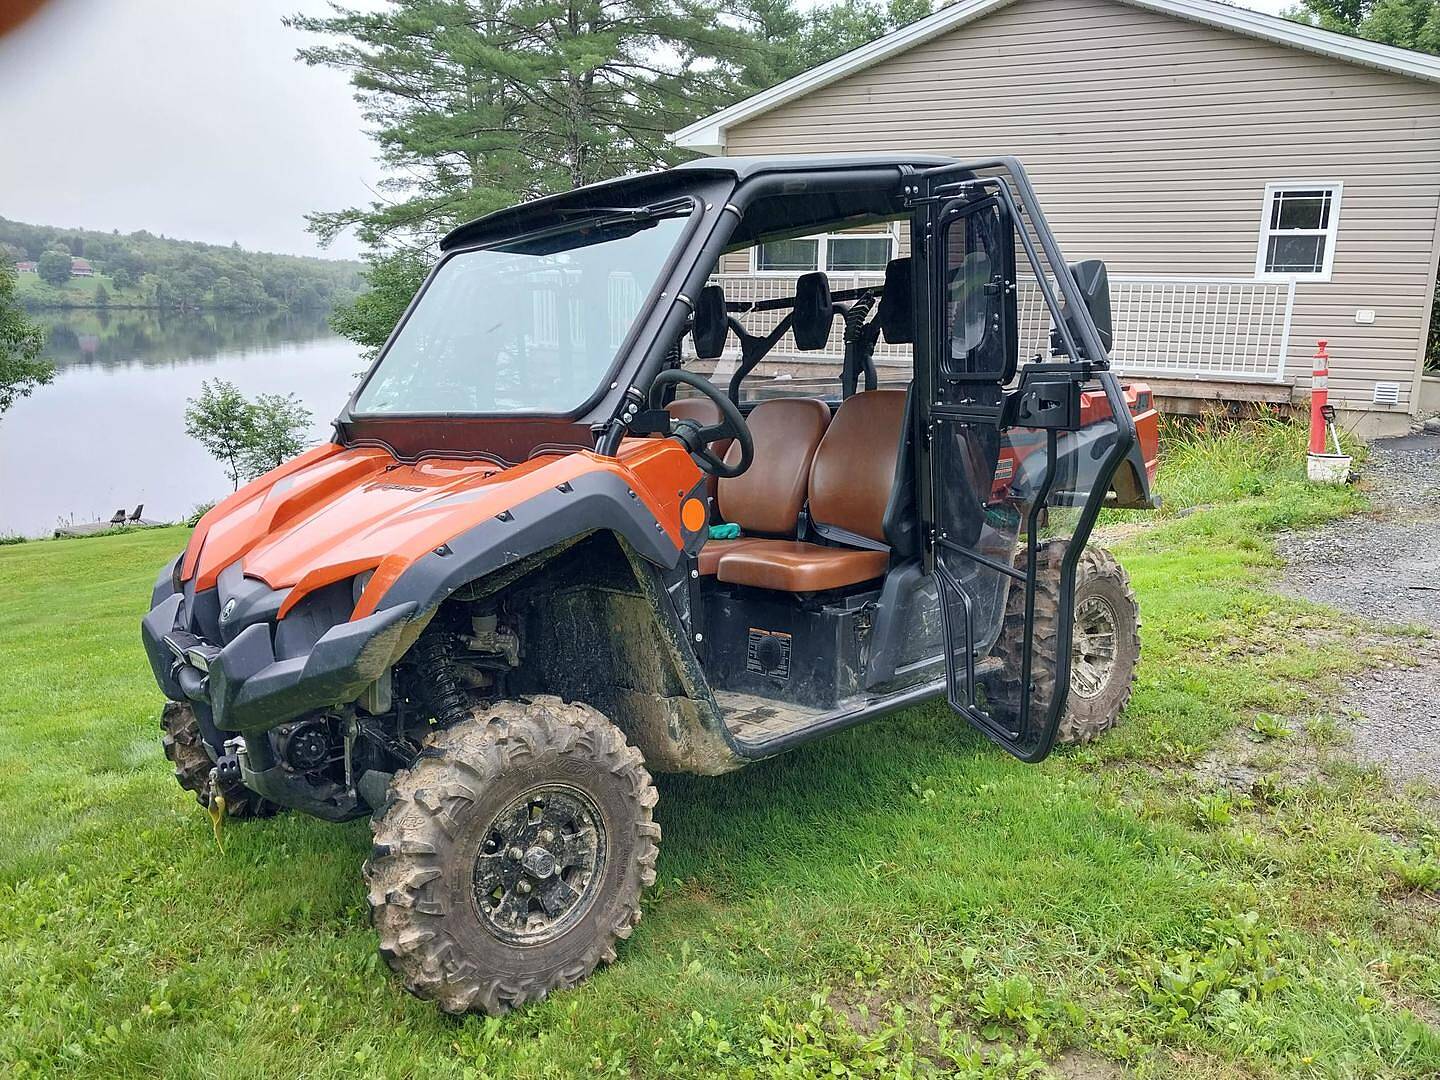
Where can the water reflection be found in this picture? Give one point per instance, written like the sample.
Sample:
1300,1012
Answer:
110,430
119,337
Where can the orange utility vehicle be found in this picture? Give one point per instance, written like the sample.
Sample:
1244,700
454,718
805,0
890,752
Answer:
581,520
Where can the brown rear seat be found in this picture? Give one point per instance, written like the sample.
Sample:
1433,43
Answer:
767,498
851,480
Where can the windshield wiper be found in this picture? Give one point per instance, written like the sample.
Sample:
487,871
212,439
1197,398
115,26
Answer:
668,208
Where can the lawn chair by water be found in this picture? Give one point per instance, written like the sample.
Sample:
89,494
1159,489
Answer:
119,520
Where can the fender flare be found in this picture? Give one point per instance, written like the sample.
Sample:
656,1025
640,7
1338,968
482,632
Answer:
591,503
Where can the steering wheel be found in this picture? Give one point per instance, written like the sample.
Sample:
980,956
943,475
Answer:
697,439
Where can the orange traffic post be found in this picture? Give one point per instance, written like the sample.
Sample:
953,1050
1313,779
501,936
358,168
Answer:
1319,396
1321,466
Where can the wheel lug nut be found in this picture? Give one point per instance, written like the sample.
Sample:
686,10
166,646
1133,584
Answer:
523,888
516,854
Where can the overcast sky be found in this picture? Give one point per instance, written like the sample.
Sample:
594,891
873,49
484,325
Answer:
190,118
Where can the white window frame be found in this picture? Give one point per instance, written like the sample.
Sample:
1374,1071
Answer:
1330,232
822,254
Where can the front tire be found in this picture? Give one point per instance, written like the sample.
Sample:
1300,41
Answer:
195,772
510,857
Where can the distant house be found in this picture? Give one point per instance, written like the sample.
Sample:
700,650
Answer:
81,268
1253,184
27,267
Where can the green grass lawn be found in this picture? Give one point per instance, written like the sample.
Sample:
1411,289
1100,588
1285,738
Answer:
77,292
900,900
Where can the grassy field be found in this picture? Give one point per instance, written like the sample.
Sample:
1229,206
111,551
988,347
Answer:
77,292
900,900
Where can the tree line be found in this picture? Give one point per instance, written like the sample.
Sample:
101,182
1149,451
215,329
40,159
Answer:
140,269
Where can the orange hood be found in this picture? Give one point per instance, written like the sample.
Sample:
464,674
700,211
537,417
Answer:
334,512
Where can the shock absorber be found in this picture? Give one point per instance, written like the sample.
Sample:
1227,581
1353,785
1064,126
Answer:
438,682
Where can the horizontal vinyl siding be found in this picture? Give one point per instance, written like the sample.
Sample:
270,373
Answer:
1151,139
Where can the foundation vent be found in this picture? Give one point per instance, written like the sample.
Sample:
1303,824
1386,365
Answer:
1386,393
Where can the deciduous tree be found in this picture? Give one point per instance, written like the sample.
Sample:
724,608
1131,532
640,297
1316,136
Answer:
249,438
54,267
21,368
1410,24
278,426
219,420
369,319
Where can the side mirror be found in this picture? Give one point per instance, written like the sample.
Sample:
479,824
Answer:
711,325
1094,282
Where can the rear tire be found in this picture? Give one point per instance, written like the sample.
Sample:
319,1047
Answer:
194,771
510,857
1104,647
1105,639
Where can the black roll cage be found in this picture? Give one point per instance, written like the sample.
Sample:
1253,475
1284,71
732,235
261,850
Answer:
721,192
906,182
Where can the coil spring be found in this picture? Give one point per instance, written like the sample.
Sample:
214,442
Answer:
437,678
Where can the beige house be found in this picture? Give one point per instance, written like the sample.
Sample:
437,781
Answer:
1254,185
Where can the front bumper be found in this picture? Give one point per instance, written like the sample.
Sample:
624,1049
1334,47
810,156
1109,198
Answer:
247,687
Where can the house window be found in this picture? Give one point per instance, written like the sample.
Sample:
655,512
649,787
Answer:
840,253
789,256
1297,232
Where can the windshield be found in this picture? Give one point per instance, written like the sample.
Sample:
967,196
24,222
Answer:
529,327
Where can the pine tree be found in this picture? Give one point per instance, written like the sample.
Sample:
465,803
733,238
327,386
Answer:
479,104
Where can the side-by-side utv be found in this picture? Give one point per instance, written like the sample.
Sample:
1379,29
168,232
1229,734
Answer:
587,516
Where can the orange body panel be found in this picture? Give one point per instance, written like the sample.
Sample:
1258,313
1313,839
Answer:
334,512
1093,408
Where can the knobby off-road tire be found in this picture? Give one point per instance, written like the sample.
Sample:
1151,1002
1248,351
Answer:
510,857
183,746
1105,641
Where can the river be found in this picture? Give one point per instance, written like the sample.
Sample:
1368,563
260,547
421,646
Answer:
109,431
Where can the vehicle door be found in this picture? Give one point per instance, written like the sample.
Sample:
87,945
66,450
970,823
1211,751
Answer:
1011,469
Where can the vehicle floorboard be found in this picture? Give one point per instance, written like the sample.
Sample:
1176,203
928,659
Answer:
752,718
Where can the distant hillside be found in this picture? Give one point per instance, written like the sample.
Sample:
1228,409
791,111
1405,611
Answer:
147,271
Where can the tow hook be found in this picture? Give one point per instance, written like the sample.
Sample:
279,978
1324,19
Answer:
227,765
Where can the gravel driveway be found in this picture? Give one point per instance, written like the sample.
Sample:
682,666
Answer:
1385,567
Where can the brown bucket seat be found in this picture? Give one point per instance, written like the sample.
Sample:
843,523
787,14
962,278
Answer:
852,481
767,498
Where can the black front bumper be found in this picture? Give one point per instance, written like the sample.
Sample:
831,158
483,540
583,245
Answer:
246,687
